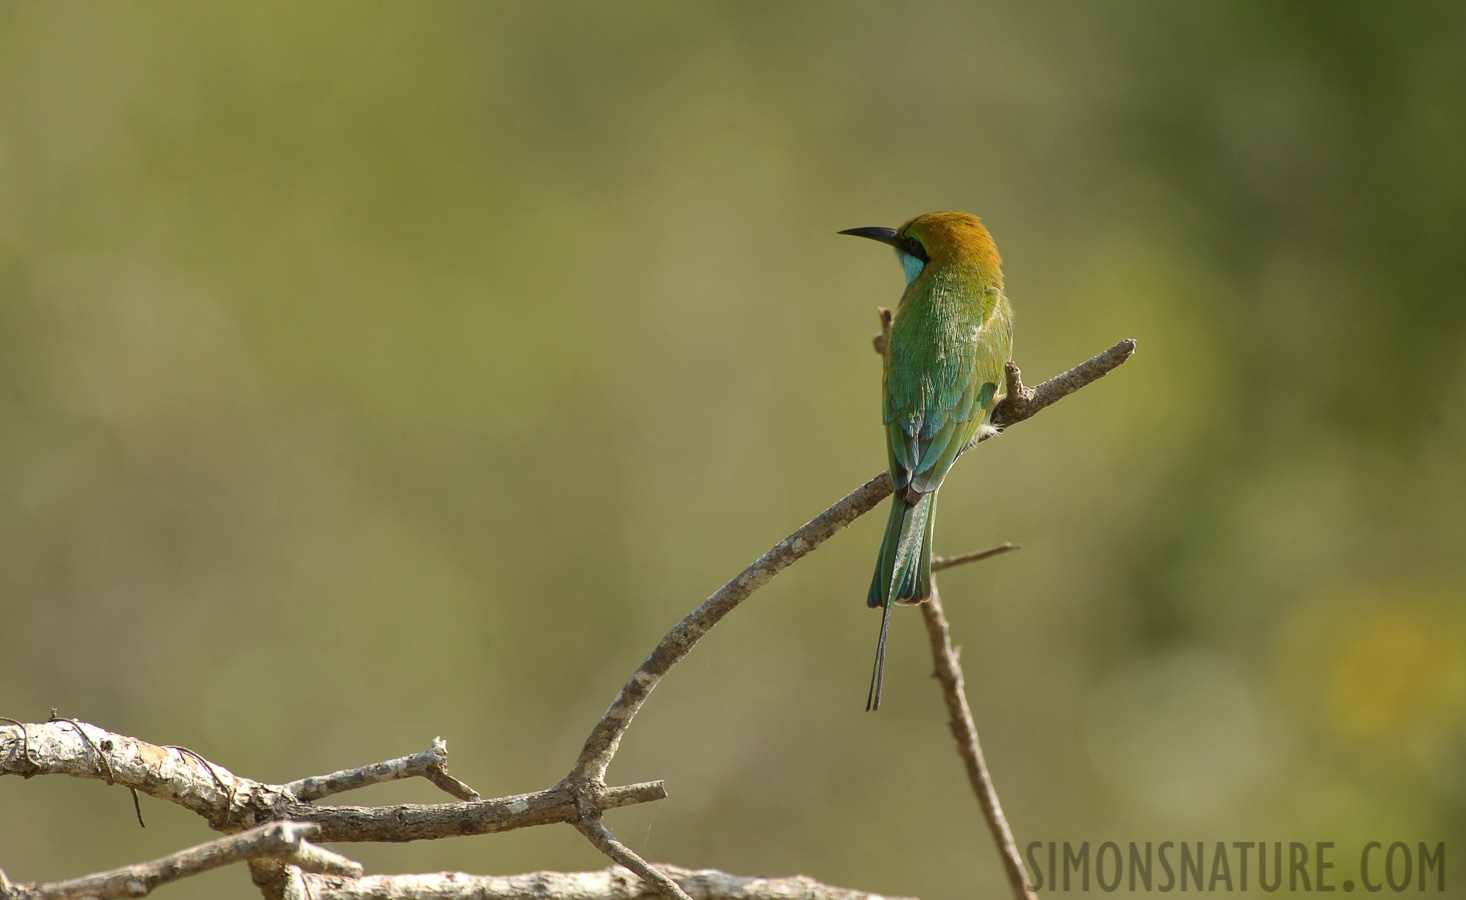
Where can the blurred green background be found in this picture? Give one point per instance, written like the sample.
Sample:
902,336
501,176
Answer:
372,372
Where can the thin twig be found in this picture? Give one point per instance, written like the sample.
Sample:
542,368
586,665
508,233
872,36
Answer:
1021,403
601,746
431,764
964,730
882,340
137,807
286,841
946,562
1025,403
601,837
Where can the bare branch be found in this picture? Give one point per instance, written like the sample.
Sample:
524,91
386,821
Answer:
946,562
82,750
1025,403
284,841
28,765
601,746
882,340
431,764
964,730
1020,404
589,771
414,822
597,834
183,777
608,884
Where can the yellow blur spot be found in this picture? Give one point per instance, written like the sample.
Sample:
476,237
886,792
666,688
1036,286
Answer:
1397,676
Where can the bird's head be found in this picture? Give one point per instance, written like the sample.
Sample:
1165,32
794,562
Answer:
937,238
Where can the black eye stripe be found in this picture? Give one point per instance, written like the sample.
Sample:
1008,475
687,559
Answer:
913,246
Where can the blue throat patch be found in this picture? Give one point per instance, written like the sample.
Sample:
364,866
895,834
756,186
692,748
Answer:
910,264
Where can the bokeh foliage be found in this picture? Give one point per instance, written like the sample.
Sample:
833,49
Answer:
370,372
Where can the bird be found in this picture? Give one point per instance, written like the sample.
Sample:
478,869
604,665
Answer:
943,375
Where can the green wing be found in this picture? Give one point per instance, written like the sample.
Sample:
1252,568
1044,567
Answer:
944,372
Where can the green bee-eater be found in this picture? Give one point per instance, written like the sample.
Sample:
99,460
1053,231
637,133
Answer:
952,335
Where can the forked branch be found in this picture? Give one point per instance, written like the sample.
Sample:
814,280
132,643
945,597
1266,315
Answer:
231,802
1020,403
287,865
234,804
281,841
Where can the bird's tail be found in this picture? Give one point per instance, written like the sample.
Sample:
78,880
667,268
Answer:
903,572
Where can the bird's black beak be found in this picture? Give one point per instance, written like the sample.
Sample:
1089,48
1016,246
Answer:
875,233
